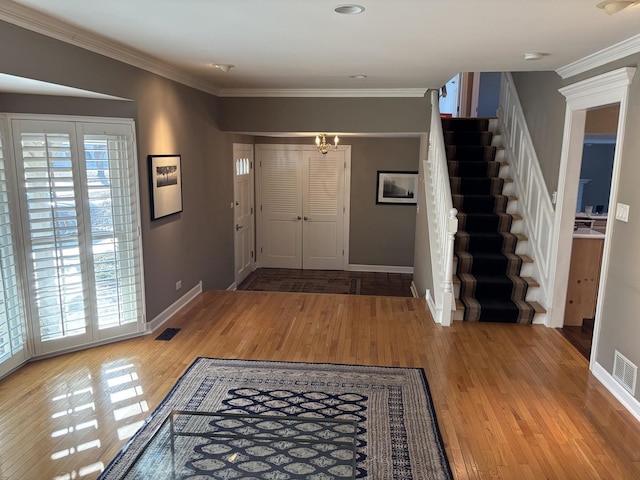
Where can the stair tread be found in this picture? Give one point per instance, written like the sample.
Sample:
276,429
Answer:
537,308
519,236
515,216
524,258
531,282
504,179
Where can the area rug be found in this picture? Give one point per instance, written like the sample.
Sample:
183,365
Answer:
396,434
286,283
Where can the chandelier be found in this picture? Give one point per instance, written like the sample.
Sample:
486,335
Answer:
321,143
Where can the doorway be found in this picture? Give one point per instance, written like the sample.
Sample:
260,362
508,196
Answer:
592,208
303,207
607,89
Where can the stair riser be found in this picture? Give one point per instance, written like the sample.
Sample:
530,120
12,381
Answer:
512,207
538,318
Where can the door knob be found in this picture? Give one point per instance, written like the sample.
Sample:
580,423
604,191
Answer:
306,219
238,227
298,218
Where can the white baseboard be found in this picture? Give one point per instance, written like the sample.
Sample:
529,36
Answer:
627,400
172,309
414,290
379,268
431,304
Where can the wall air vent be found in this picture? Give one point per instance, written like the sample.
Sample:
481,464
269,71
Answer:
625,372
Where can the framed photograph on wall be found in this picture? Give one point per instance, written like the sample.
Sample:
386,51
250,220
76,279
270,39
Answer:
165,177
397,187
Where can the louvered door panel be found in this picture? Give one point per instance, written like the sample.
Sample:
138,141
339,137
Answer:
281,188
323,210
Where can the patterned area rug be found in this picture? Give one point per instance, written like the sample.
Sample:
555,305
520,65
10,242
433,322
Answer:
387,412
284,283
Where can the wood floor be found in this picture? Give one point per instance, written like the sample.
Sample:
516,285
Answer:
513,401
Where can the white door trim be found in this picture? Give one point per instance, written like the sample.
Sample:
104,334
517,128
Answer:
605,89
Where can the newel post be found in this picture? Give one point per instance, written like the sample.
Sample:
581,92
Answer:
448,300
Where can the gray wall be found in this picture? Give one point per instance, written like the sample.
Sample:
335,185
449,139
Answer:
170,118
342,115
620,329
381,234
46,104
422,267
378,234
544,109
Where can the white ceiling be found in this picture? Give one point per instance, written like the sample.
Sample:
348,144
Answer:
304,44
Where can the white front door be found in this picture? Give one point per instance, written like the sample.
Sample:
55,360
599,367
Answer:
302,207
323,210
243,210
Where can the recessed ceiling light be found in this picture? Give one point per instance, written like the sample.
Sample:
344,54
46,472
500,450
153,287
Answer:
357,76
534,56
225,67
349,9
614,6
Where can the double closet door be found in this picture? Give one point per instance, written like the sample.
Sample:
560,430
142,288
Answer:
302,207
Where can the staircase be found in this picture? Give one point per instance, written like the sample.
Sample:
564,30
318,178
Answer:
489,278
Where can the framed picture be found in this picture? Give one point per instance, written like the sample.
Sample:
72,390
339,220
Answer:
165,177
397,187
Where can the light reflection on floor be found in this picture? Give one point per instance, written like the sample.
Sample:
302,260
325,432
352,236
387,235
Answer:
77,410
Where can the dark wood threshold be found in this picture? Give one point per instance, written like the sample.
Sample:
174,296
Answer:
581,337
371,283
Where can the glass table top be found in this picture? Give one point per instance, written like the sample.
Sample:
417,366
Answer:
248,446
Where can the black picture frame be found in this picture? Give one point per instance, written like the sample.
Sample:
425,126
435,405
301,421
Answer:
397,187
165,185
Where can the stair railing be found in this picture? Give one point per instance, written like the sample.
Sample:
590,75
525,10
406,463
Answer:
442,219
533,196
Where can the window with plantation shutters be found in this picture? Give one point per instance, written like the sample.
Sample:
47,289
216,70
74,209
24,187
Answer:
78,205
12,308
113,227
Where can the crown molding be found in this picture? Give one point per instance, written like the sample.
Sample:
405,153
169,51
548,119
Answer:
610,54
37,22
323,93
605,88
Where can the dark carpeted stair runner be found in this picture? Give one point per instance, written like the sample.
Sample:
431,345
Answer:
491,288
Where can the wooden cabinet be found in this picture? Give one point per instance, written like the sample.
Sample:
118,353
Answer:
600,224
584,276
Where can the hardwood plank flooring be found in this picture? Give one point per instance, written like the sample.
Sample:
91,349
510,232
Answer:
513,401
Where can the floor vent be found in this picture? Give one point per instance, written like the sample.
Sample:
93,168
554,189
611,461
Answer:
625,372
168,334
